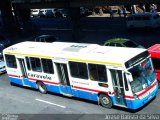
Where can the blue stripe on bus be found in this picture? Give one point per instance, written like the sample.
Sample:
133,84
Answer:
16,80
131,104
52,88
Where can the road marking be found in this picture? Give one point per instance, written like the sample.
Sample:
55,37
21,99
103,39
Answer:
50,103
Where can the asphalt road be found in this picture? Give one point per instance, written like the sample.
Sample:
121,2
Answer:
29,103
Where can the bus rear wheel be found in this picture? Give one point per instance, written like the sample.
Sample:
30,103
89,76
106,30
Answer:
105,101
42,87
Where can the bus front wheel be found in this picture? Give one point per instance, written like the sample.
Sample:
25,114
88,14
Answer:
42,87
105,101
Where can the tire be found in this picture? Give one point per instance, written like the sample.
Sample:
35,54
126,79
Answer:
42,87
105,101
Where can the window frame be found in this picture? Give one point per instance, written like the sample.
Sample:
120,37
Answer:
35,64
77,66
98,79
52,66
12,62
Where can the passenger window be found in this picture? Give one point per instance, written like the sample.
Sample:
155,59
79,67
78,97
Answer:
97,72
11,61
47,66
35,64
78,70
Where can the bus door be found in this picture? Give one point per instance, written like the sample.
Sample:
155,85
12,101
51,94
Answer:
62,71
23,70
118,87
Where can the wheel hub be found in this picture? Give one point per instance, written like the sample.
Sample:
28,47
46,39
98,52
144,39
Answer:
105,100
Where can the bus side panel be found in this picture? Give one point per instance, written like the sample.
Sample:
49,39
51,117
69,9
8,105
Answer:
15,80
85,95
32,84
94,97
29,83
75,93
52,88
20,82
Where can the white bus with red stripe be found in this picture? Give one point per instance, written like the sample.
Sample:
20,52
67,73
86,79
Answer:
109,75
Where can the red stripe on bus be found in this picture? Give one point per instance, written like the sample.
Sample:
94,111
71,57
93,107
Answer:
130,97
13,75
92,90
150,87
44,81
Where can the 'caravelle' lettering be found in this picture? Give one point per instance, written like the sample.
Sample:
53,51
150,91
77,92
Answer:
39,76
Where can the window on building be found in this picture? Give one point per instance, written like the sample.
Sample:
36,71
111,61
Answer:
97,72
78,70
11,61
47,66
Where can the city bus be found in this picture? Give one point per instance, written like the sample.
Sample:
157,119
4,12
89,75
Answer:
154,50
110,76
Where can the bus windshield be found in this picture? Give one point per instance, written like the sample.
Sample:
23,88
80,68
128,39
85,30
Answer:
143,76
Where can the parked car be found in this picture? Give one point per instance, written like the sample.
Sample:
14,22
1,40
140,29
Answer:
122,42
4,41
1,50
2,67
46,38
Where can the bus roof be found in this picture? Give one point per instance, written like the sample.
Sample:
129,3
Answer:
154,50
80,52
